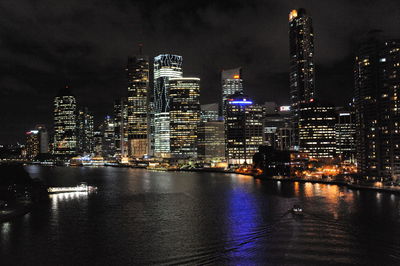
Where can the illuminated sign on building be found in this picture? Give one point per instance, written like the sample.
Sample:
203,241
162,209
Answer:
284,108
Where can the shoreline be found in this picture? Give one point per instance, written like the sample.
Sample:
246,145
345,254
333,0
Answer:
333,182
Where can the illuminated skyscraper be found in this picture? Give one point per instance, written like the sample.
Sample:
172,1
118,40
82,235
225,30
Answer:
121,127
65,123
138,106
301,45
184,95
232,83
377,107
166,66
209,112
243,129
107,129
345,131
85,138
43,138
317,130
32,146
211,141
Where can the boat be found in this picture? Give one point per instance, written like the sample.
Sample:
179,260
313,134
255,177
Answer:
297,209
82,187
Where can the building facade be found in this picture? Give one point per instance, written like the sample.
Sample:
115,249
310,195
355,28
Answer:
317,130
345,135
301,78
184,94
243,129
32,147
138,106
377,88
85,128
65,138
166,66
232,83
121,127
211,141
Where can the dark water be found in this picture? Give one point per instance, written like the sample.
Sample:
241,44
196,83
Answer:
142,217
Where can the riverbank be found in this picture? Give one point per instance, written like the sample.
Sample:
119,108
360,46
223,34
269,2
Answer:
394,190
20,209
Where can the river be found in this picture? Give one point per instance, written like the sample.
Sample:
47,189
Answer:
147,217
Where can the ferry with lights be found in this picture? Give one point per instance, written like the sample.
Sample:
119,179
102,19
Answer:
82,187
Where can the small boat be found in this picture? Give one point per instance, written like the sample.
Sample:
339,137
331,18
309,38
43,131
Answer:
297,209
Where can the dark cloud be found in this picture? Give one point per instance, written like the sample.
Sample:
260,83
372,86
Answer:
45,44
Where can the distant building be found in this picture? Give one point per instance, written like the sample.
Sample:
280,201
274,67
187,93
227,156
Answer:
32,146
211,141
209,112
121,127
377,108
43,138
301,45
65,139
345,135
317,130
108,137
85,138
184,95
243,129
232,83
166,66
278,127
138,106
98,141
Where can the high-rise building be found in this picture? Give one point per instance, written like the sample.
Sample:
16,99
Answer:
301,45
317,130
121,127
345,131
377,108
211,141
184,95
209,112
232,83
278,127
65,123
32,146
138,106
43,138
108,137
85,124
243,129
166,66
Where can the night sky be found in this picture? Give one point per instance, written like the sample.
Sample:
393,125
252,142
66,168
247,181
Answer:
45,44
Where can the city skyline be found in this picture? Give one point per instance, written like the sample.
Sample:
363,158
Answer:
30,78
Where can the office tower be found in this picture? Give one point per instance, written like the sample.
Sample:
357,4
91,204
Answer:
138,106
121,127
85,124
345,133
43,138
301,45
209,112
278,126
32,146
98,141
232,83
107,129
166,66
65,123
317,130
243,129
377,85
184,95
211,141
